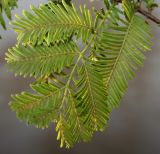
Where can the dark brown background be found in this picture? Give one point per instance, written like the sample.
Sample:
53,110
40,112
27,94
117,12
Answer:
134,127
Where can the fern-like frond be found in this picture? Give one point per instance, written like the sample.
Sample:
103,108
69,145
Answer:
41,60
53,23
120,52
79,128
71,126
81,105
80,97
64,132
92,96
52,104
39,109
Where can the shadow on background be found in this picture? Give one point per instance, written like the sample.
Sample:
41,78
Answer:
134,128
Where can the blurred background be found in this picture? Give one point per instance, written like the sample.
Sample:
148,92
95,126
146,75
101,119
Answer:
134,128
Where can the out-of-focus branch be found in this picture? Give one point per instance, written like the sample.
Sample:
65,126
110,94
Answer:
145,13
149,15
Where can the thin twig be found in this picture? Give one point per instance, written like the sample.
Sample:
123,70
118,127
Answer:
145,13
149,15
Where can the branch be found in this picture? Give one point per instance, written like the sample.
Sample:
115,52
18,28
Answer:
149,15
145,13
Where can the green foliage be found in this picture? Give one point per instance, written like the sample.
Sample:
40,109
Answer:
76,86
151,4
53,23
119,52
5,7
41,60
